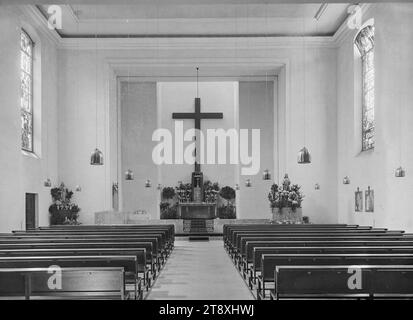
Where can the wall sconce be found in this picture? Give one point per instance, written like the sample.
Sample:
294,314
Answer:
304,156
47,183
317,186
346,180
248,183
129,175
266,175
400,172
78,188
148,183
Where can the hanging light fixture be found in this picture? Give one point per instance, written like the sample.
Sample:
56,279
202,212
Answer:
47,183
317,186
400,172
346,180
96,159
266,175
304,156
148,183
248,183
129,175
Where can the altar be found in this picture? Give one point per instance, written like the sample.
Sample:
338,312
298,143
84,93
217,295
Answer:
197,210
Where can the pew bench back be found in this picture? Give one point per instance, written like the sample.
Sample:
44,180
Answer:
76,283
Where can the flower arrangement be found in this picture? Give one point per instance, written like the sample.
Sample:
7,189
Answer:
63,211
184,192
211,191
285,196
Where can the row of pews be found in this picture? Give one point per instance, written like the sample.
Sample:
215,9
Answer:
322,261
83,262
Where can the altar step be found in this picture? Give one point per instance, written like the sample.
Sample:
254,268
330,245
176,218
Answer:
198,238
198,226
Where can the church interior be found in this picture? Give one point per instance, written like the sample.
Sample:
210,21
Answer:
204,150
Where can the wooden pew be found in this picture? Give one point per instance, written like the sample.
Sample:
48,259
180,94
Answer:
270,261
230,230
237,236
239,249
169,228
166,232
89,238
102,234
227,228
255,267
233,242
77,283
247,247
128,263
331,281
87,245
139,253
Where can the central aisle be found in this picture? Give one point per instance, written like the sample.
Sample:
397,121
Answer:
201,271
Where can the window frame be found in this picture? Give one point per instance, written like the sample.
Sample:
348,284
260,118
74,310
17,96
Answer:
31,96
364,56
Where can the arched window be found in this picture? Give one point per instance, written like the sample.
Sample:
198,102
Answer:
26,90
364,42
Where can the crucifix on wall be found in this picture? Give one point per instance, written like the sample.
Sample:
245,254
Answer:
197,116
197,176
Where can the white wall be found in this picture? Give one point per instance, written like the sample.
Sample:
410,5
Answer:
310,120
138,122
79,68
256,111
21,173
82,129
394,133
215,97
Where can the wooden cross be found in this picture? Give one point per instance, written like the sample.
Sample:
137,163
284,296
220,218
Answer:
197,116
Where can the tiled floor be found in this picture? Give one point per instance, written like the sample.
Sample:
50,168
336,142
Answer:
201,271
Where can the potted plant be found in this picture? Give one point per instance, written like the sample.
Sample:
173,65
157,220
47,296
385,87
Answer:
285,201
62,210
227,210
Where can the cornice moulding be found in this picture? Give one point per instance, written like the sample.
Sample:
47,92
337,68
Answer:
229,43
41,23
185,43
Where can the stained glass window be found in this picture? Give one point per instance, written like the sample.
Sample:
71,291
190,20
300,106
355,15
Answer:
26,90
365,45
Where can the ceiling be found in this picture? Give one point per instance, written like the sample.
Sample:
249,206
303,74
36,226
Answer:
200,20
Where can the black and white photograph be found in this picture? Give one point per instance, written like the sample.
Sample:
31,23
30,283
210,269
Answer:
233,151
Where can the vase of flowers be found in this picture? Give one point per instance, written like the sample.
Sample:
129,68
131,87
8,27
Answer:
184,192
285,201
63,210
211,191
